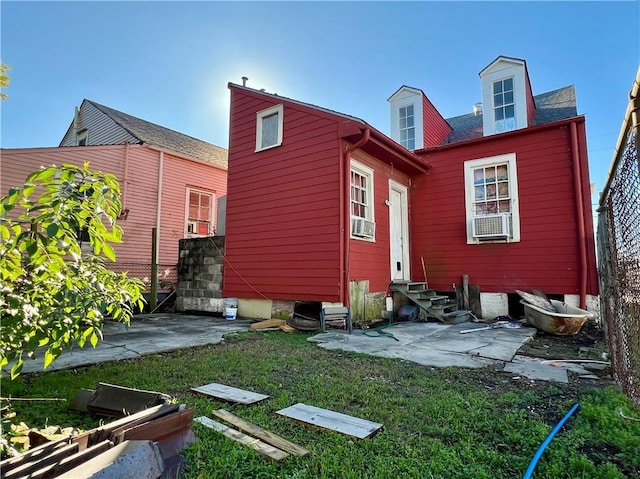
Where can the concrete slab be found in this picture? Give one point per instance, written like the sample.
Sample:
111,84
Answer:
147,334
431,344
533,368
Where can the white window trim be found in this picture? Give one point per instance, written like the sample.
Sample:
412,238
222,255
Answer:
363,170
502,71
82,135
416,101
469,166
186,211
279,110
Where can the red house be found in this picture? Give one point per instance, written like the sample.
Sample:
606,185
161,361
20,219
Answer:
322,207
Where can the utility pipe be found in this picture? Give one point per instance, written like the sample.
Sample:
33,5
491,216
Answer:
543,446
159,201
346,211
579,199
126,175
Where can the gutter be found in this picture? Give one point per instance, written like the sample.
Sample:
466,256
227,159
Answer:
579,200
345,211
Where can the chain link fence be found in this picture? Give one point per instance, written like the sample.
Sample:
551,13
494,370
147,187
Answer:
619,256
167,274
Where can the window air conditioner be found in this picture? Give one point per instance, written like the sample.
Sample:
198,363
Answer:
192,227
362,228
491,226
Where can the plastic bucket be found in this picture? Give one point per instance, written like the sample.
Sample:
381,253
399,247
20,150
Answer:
230,308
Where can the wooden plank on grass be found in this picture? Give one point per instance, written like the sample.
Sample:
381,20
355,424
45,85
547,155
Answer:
267,324
352,426
288,329
229,393
260,446
261,433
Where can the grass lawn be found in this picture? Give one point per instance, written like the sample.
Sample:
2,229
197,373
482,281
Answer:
438,423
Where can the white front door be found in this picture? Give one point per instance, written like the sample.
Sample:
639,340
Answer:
399,231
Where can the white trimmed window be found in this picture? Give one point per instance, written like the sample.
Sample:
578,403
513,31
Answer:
199,212
406,127
82,138
503,105
269,128
491,199
362,214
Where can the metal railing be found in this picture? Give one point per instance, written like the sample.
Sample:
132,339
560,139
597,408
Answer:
619,254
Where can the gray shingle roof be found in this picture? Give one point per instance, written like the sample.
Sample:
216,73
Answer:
156,135
550,106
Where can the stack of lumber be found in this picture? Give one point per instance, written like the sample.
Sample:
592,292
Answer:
144,445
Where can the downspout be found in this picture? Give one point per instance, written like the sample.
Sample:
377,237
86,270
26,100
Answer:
579,199
126,175
159,205
346,211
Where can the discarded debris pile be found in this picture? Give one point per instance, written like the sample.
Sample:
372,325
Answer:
144,445
552,316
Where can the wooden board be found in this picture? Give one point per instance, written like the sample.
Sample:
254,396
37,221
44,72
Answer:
288,329
267,324
260,446
352,426
260,433
229,393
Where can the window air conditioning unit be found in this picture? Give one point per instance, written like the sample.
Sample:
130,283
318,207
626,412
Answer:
192,227
491,226
362,228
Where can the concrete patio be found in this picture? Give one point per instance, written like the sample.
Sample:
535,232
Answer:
429,344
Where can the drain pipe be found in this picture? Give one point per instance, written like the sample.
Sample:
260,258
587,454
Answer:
345,211
579,199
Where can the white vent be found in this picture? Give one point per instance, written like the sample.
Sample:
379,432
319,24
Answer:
362,228
491,226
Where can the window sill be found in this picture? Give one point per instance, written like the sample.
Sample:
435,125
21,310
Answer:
268,147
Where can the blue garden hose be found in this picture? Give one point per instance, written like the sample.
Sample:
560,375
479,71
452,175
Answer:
538,454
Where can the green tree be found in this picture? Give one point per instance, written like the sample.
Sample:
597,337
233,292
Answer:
4,79
54,294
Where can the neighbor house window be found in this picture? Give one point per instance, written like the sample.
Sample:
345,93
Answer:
492,199
407,127
83,138
503,105
199,212
269,128
362,217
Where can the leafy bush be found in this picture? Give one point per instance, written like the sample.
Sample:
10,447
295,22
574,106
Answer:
54,293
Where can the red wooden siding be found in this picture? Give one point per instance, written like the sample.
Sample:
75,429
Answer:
435,128
369,260
547,255
282,224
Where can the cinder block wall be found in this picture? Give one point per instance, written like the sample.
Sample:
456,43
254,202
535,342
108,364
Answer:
200,275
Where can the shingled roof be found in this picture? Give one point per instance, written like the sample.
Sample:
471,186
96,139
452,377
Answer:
550,106
156,135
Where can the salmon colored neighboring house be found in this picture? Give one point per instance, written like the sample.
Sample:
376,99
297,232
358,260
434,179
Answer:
168,181
323,207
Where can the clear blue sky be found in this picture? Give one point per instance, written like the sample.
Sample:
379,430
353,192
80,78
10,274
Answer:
169,62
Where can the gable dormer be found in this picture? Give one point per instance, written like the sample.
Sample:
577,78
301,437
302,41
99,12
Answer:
415,122
506,96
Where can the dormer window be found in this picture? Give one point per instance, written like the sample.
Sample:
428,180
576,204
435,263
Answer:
407,127
503,105
83,138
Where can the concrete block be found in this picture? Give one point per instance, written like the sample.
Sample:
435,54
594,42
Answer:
494,305
139,459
